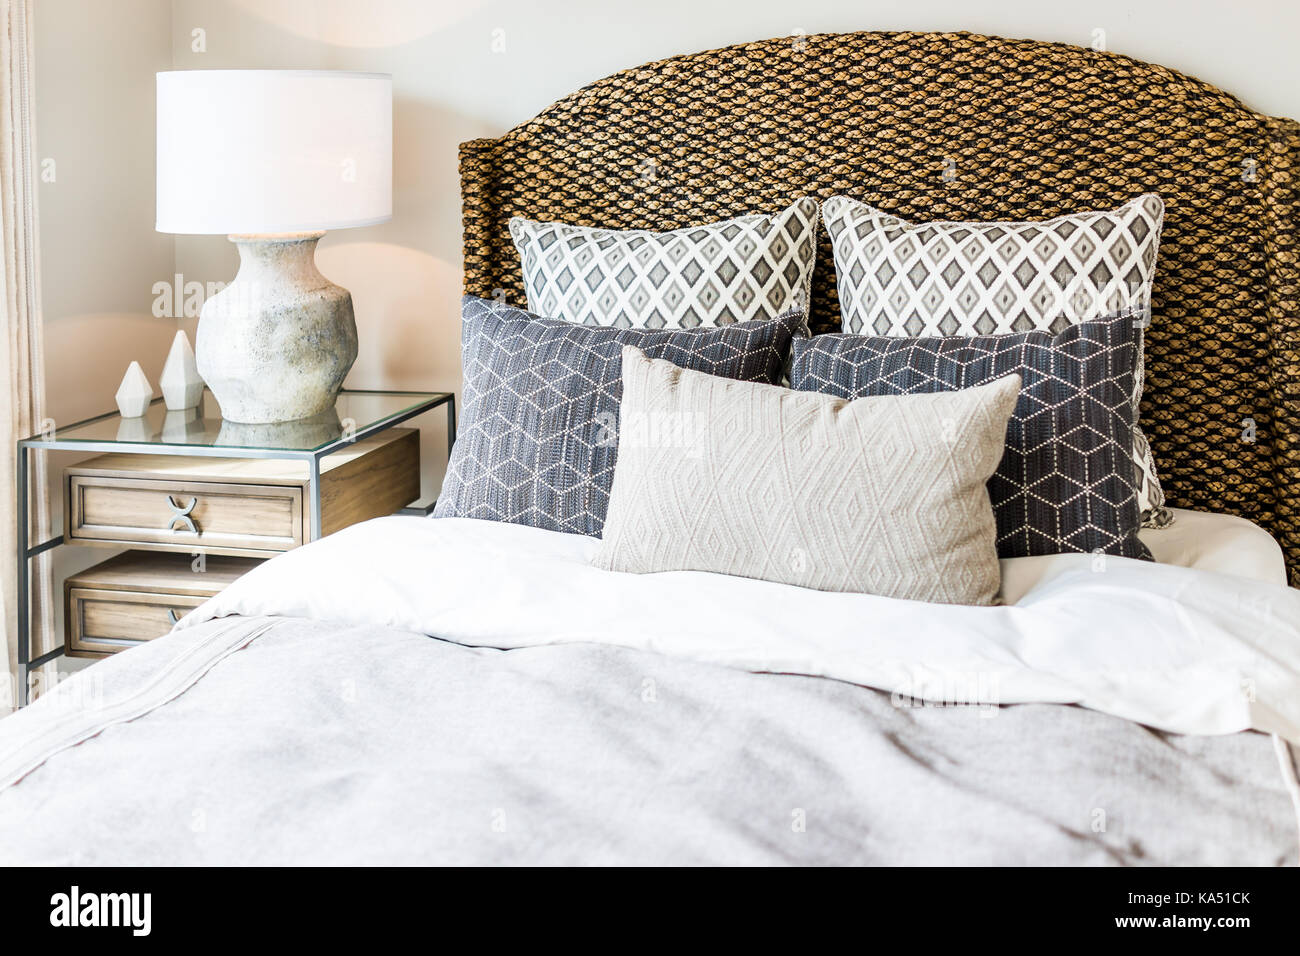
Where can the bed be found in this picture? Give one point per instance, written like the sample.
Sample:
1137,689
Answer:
462,691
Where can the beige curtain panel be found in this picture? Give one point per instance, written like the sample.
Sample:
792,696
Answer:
22,365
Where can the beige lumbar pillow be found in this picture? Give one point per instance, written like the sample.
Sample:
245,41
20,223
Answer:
881,495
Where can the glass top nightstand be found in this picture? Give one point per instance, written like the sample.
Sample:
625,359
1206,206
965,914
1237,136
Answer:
201,432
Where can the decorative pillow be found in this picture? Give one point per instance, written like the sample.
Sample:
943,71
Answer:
1067,481
739,270
806,489
984,278
539,435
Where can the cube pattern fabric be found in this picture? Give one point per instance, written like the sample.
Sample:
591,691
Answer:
1067,481
806,489
987,278
739,270
538,439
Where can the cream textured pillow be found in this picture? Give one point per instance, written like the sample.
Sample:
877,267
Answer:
882,495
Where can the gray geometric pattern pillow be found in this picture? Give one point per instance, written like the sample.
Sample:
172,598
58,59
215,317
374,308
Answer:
739,270
1067,481
987,278
538,438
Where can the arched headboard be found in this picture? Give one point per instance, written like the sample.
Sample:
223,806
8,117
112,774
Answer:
958,126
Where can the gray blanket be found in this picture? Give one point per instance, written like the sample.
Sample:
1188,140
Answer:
324,743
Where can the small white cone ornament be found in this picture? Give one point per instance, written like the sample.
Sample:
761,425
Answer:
181,385
135,392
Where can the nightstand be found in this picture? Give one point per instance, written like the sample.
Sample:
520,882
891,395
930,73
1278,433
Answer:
188,492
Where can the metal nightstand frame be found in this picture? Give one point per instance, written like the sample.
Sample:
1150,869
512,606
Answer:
313,457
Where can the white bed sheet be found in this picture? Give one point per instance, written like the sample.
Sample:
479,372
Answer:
1184,650
1224,544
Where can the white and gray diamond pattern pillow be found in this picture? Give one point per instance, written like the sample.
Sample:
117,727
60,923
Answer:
897,278
738,270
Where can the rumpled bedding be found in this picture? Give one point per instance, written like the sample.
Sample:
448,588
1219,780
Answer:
561,714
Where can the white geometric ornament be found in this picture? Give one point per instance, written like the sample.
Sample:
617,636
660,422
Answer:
181,385
135,392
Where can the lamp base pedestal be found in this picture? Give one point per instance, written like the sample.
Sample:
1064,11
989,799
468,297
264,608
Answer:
276,344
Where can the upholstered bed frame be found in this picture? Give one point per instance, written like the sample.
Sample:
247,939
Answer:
957,126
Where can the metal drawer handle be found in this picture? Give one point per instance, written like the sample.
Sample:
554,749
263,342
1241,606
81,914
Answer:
172,615
181,514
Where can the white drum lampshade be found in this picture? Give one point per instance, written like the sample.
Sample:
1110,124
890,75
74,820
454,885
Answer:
272,158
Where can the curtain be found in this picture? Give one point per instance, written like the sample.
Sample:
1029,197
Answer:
22,365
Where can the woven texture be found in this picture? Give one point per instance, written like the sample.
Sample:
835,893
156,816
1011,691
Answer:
864,496
538,440
956,126
1067,481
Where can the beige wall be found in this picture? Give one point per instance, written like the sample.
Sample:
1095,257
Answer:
95,65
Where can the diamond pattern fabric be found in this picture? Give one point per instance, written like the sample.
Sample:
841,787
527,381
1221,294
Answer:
739,270
989,278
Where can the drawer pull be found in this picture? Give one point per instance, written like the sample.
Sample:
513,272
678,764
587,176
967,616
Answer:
172,615
182,514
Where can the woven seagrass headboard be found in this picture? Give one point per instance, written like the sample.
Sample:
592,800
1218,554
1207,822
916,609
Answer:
957,126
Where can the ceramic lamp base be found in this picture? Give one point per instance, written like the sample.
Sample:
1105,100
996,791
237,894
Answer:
276,344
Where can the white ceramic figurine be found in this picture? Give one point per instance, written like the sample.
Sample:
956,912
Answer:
135,393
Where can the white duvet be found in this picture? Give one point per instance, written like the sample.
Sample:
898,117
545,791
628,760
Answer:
1180,649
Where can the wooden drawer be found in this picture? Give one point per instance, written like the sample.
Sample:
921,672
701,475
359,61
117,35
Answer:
138,596
102,622
139,511
235,506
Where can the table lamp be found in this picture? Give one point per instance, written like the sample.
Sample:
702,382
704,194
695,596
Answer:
272,159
